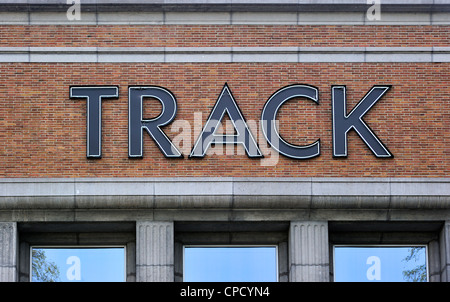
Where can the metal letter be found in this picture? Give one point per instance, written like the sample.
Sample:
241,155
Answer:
225,103
268,120
342,123
153,126
94,96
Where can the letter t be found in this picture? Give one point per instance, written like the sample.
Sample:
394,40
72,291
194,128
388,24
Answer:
94,96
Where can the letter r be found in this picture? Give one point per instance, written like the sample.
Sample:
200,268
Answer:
136,123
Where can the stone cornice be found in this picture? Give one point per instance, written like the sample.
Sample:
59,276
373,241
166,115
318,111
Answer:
225,193
228,5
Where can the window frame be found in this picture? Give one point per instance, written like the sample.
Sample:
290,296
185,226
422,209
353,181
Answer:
226,233
412,245
396,233
76,234
277,273
84,246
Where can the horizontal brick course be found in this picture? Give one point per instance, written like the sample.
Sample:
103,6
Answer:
223,35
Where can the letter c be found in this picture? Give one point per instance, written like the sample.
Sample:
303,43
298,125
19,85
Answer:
268,118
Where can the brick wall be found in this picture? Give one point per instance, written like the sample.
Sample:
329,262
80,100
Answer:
43,131
223,35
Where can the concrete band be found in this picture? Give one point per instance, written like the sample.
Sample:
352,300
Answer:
223,54
269,17
225,193
230,5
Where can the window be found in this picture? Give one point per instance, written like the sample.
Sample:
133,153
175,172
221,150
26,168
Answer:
383,263
51,251
78,264
212,251
230,263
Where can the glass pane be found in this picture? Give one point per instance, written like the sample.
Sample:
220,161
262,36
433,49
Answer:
78,264
230,264
380,263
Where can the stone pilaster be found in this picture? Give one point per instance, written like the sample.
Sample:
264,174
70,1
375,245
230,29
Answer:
308,252
154,251
445,252
8,252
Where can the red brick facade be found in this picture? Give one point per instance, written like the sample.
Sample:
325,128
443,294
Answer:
43,131
52,194
224,35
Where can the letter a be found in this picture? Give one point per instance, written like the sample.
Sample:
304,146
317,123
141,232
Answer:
74,272
73,13
374,272
225,104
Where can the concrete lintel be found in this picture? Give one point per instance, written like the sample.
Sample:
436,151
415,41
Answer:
226,5
220,193
224,54
208,13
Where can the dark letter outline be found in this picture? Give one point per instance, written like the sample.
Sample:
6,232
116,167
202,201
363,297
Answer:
374,138
211,125
144,124
268,118
89,116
